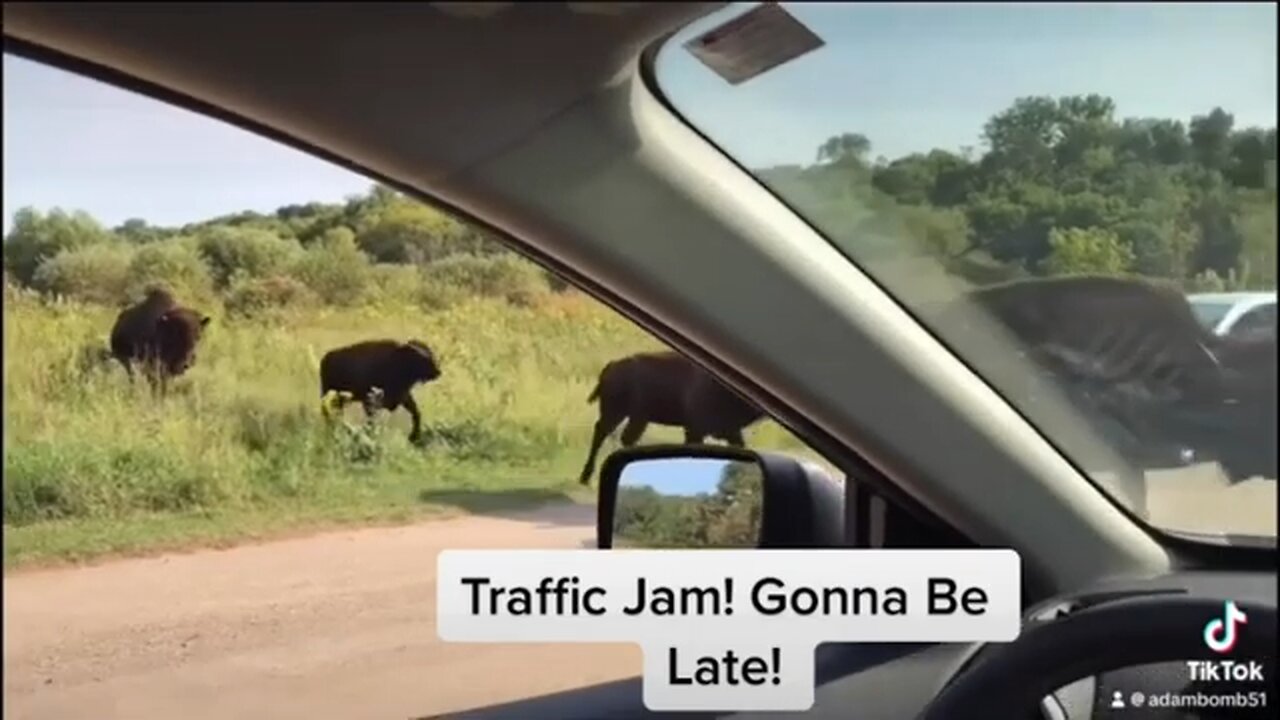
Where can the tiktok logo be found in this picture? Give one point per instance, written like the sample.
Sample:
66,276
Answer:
1220,633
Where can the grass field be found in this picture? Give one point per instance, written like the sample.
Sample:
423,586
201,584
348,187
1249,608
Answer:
240,449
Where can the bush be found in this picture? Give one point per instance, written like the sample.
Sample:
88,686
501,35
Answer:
393,283
1087,251
511,278
93,273
249,251
36,238
335,268
175,264
250,296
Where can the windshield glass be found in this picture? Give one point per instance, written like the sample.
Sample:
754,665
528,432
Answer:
1070,172
1210,312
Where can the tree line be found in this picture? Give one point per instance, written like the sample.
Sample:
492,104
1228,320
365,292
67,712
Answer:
1063,186
729,517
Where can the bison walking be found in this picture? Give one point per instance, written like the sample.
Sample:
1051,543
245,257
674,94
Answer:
1134,351
158,334
390,366
667,389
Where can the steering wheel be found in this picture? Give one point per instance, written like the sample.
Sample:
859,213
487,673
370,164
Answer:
1013,677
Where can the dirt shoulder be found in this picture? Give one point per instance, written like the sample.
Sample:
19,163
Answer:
334,625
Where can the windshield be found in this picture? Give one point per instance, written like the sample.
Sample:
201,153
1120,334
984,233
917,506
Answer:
1070,172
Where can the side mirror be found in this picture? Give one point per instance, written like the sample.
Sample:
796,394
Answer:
704,496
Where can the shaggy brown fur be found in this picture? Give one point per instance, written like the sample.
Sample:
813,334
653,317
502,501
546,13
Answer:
158,334
1140,355
666,389
388,365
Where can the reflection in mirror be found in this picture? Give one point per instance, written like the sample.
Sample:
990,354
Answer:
688,503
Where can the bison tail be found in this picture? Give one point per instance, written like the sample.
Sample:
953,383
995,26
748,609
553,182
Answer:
604,372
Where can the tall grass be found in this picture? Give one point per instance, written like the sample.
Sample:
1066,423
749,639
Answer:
242,434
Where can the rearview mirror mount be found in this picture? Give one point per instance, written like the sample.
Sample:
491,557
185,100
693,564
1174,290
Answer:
710,496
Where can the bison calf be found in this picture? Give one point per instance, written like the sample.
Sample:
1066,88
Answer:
391,366
160,335
667,389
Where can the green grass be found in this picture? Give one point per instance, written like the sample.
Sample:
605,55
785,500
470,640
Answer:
240,450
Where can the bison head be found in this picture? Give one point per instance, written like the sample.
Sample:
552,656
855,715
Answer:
178,332
417,361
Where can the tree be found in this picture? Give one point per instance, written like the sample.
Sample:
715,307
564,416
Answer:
35,238
1087,251
845,148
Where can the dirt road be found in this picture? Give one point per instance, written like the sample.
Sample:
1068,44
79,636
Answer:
340,625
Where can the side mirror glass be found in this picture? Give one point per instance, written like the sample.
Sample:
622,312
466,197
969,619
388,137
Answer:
710,496
688,502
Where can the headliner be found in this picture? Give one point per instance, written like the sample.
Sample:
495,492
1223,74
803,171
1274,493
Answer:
334,77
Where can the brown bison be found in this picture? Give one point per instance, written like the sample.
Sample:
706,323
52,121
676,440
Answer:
667,389
1133,350
158,334
392,367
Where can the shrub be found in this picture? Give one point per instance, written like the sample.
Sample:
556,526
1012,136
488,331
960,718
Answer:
252,296
249,251
93,273
1077,251
36,238
175,264
511,278
335,268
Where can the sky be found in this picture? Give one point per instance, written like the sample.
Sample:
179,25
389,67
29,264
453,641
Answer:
675,476
909,77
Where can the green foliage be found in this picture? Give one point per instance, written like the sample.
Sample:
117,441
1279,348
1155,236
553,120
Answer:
91,273
506,276
175,263
35,238
259,296
335,268
727,518
1155,196
249,251
1087,251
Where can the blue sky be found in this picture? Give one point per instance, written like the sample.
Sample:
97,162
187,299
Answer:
909,77
675,476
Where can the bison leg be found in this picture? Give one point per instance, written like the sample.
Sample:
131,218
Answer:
693,437
604,427
128,369
370,406
415,435
632,433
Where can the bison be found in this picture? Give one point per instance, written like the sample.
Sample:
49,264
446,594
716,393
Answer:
667,389
1133,351
390,366
159,334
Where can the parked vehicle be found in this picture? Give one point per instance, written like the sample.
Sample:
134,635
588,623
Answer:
1236,314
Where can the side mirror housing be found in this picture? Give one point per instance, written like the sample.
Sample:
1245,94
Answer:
710,496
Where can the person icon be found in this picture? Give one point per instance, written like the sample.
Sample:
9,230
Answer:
1117,699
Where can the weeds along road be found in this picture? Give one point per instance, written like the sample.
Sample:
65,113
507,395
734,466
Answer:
340,625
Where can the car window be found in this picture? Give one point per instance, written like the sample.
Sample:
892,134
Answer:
1069,172
1210,313
304,287
1258,321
